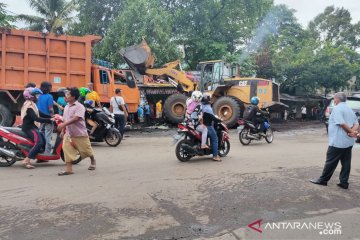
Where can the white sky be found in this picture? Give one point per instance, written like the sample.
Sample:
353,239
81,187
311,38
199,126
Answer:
306,10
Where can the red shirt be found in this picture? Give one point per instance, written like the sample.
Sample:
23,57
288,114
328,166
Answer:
77,129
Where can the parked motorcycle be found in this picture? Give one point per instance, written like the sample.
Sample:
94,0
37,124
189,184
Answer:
248,132
15,146
189,142
105,130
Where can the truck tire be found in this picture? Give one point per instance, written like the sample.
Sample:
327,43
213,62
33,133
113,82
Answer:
6,118
175,107
228,109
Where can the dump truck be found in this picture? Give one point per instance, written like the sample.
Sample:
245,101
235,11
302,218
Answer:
230,92
65,61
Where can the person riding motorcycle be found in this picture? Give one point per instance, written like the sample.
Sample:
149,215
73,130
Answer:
90,115
194,116
254,114
31,124
209,119
83,92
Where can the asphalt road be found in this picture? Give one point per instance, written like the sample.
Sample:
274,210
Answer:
141,191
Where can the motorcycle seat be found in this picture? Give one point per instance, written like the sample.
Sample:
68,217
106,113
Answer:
16,131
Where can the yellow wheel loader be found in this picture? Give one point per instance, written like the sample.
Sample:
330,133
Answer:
230,93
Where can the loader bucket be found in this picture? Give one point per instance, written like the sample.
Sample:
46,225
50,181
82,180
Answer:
138,57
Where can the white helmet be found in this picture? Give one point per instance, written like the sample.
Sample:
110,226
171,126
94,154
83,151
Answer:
196,96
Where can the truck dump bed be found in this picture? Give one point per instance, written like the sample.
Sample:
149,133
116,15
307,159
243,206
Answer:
28,56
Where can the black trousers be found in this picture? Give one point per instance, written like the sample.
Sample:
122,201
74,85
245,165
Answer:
333,156
120,123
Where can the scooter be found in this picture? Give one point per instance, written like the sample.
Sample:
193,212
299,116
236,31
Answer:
15,145
105,130
189,142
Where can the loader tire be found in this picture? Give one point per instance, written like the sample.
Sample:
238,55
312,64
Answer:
6,118
228,109
174,108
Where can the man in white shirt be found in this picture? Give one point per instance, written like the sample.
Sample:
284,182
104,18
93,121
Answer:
117,106
303,112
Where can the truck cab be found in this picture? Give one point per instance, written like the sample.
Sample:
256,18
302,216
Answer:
106,80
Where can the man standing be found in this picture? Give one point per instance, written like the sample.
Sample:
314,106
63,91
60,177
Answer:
159,109
117,106
147,113
303,112
140,113
45,105
74,133
343,128
93,95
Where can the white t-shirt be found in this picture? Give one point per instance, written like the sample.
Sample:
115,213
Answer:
115,104
303,110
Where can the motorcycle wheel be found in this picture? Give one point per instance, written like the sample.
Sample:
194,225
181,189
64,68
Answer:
113,138
7,161
224,148
180,153
269,136
73,162
242,137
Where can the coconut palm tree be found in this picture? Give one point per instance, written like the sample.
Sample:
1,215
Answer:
54,15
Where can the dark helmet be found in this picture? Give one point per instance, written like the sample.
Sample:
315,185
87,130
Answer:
205,99
62,89
88,103
255,101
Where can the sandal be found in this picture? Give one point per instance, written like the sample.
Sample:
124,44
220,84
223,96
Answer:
64,173
92,167
205,147
217,159
28,166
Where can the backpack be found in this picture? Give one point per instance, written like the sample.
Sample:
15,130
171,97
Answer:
249,113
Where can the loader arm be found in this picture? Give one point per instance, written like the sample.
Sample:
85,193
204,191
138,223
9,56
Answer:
169,70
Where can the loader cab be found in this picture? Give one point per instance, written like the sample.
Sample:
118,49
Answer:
213,73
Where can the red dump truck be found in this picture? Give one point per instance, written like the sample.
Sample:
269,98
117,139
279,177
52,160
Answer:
65,61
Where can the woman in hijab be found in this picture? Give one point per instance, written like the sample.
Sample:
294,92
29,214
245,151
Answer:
31,124
209,119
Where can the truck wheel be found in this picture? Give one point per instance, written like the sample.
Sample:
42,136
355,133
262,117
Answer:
175,107
6,118
228,109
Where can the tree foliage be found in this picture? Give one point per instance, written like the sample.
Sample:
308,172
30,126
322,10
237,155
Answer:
140,19
5,19
334,26
95,16
206,29
313,59
211,29
53,15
